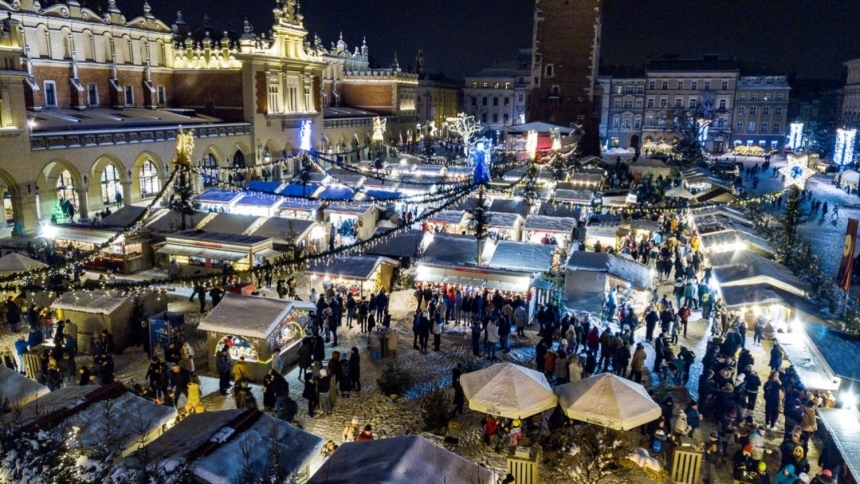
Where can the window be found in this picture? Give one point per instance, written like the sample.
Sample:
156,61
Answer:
291,98
766,96
474,85
50,94
777,127
649,121
639,103
742,96
665,85
724,85
754,96
496,85
110,184
680,85
780,96
548,70
625,124
652,85
162,97
739,127
238,159
637,122
694,85
520,97
640,89
661,122
474,100
628,89
664,102
765,110
616,122
618,89
129,96
722,104
694,102
507,101
92,95
555,91
721,122
507,85
751,127
274,105
777,111
309,99
210,175
484,101
495,118
707,85
617,103
496,101
484,117
628,104
753,110
679,102
485,85
66,188
149,182
763,128
650,102
741,110
505,118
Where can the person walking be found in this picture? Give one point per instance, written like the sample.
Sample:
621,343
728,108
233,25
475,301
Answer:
437,330
224,365
354,367
713,449
492,339
424,327
310,393
637,363
324,391
459,395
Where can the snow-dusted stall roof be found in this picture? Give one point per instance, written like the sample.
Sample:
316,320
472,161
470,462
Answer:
350,179
636,274
574,196
79,234
300,190
350,209
219,197
406,244
266,186
301,205
358,267
699,216
851,177
93,302
170,220
742,296
585,179
522,256
504,220
251,316
562,210
123,217
230,223
745,268
514,205
452,249
17,390
13,262
452,217
730,240
646,225
336,192
277,228
716,194
408,459
253,199
544,223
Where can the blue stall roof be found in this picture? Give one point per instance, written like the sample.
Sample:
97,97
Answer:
259,200
266,186
336,193
219,196
299,190
382,194
304,205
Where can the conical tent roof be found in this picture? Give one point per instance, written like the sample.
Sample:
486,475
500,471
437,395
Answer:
609,401
16,262
679,191
508,390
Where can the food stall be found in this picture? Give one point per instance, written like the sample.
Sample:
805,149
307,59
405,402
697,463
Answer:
585,180
300,190
505,226
807,361
361,274
352,221
113,310
474,279
208,252
300,209
257,204
126,254
216,200
266,332
537,229
448,221
574,197
590,275
286,232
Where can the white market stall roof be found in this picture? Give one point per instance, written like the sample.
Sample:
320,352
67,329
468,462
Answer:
643,224
14,262
732,240
609,401
213,254
278,228
762,294
745,268
452,248
78,234
504,220
562,210
679,192
844,428
581,178
219,197
540,127
407,459
583,197
513,205
508,390
716,194
652,165
232,223
701,216
18,390
809,364
405,244
93,302
522,256
357,267
251,316
545,223
851,176
483,277
452,217
350,209
166,220
634,273
123,217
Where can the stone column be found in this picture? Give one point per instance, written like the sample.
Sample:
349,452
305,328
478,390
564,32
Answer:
25,211
126,193
83,202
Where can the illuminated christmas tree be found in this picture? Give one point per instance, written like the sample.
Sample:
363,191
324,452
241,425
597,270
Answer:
184,198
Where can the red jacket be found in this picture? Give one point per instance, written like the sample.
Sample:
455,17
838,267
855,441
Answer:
364,436
684,313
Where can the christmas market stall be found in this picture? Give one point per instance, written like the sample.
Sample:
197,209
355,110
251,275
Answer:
216,200
505,226
509,205
359,274
16,390
408,458
123,217
301,190
210,252
448,221
591,275
542,229
584,180
286,233
404,247
120,313
574,197
14,262
224,447
840,432
809,364
301,209
533,259
257,204
126,254
168,221
745,268
653,167
839,351
230,223
848,180
266,332
95,413
355,221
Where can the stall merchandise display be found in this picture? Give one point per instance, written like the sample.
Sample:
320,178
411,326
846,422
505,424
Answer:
287,334
238,347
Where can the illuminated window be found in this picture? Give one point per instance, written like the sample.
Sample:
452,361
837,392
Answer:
66,188
210,175
149,182
274,99
110,184
751,127
291,95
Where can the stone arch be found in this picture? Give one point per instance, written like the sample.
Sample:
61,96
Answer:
212,158
89,45
9,190
146,187
275,150
127,49
102,193
66,34
52,174
325,144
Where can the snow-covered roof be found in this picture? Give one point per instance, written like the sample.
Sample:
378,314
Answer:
266,186
14,262
453,217
16,389
170,220
453,249
300,190
501,205
93,302
545,223
123,217
506,220
741,296
405,244
646,225
585,179
259,200
574,196
561,210
335,192
277,228
522,256
745,268
251,316
358,267
352,208
230,223
636,274
218,196
733,239
850,176
408,459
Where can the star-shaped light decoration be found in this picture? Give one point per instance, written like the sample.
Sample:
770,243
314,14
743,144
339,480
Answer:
797,171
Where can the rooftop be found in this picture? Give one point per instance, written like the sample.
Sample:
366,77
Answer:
56,120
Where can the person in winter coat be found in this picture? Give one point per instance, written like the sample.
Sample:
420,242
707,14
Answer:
9,360
772,399
605,349
540,355
54,376
350,432
344,382
492,339
650,324
808,423
561,368
637,363
593,340
310,393
459,395
437,330
68,369
775,358
785,475
521,319
694,419
319,349
366,434
354,367
193,405
305,356
424,327
574,368
713,454
188,355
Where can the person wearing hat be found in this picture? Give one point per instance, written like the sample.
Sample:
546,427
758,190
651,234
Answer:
803,477
756,439
787,446
825,477
808,422
365,435
516,432
743,463
713,449
763,477
509,479
785,475
324,390
772,399
350,431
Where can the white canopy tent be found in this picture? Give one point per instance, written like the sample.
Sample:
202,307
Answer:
18,390
16,263
609,401
679,192
508,390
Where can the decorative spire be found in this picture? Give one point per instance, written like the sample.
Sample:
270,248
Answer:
341,35
112,8
147,9
179,19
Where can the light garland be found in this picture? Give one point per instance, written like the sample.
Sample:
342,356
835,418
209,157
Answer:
843,153
795,136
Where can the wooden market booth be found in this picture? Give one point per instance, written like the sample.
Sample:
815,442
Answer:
537,227
257,204
359,275
266,332
126,254
301,209
505,226
217,200
308,234
209,252
354,220
449,221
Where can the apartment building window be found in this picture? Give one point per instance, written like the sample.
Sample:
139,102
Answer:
496,101
665,85
292,94
474,85
694,85
741,110
739,127
707,85
678,102
777,127
721,122
650,102
628,104
617,103
507,101
763,128
680,85
161,95
274,99
751,127
485,85
149,182
505,118
742,96
484,101
474,101
548,70
309,99
753,110
625,124
649,121
637,122
724,85
507,85
520,97
754,96
693,102
496,85
50,94
722,104
664,102
766,96
652,85
777,111
628,89
495,118
780,96
484,117
129,96
619,89
616,121
765,110
92,95
640,89
639,104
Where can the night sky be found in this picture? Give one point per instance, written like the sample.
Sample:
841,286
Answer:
460,37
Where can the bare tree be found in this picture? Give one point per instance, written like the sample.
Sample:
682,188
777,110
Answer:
693,125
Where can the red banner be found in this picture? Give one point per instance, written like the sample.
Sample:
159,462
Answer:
844,277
